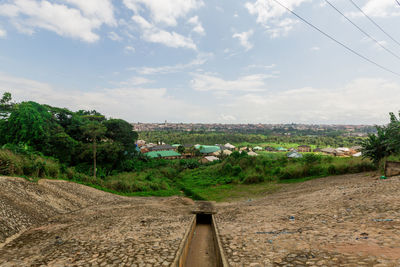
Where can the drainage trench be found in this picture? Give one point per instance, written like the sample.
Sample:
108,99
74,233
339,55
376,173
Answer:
202,246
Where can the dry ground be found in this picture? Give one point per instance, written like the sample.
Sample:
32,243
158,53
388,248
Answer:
67,224
349,220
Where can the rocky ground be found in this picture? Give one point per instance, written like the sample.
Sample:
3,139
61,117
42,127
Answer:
349,220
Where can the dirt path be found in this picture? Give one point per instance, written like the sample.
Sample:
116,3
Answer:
202,250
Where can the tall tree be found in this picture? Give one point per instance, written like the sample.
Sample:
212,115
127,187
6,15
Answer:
94,130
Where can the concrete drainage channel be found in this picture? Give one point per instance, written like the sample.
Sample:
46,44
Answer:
201,246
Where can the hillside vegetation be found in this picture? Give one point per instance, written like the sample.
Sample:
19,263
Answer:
40,141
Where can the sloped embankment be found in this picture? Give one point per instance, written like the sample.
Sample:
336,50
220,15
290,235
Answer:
24,204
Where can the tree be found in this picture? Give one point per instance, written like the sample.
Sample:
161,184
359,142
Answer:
6,105
94,131
181,149
375,147
121,131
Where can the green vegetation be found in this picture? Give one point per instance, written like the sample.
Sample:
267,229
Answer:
85,140
385,143
40,141
251,140
236,176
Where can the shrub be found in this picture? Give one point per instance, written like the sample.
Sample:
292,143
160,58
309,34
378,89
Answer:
332,169
311,159
227,168
253,179
236,170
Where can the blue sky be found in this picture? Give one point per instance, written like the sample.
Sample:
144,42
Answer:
202,60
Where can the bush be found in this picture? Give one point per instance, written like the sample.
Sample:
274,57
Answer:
253,179
227,168
236,170
332,169
311,159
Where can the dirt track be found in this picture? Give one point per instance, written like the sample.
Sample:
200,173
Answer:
350,220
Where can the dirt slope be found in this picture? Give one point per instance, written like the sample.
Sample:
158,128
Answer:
67,224
348,220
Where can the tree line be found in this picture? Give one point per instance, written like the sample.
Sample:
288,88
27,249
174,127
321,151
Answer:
84,139
174,137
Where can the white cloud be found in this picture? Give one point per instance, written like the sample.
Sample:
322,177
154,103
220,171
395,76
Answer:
362,101
128,102
114,36
244,39
228,118
137,80
282,27
163,14
3,33
249,83
165,11
199,60
154,34
129,49
270,15
80,22
315,48
259,66
198,28
381,8
103,10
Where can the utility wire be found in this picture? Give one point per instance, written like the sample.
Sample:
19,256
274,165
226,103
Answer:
398,2
336,41
355,25
376,24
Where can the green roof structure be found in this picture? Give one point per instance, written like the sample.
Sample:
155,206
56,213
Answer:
281,149
207,149
162,154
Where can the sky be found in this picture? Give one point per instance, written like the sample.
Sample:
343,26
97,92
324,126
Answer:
207,61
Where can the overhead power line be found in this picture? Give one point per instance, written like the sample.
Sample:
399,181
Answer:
376,24
336,41
360,29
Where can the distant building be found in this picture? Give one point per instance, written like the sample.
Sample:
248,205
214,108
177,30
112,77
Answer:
257,148
229,146
294,154
317,149
207,150
140,143
208,159
162,148
169,154
270,149
252,154
328,151
304,148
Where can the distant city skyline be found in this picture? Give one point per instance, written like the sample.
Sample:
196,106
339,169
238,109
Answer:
204,61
